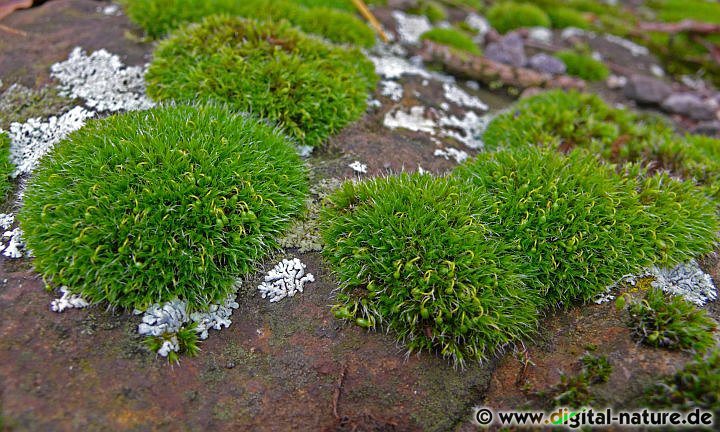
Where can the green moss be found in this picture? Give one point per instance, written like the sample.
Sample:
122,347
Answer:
433,10
574,391
187,340
412,256
453,38
506,16
583,66
562,17
6,167
697,385
176,201
308,87
678,10
160,17
565,215
346,5
663,320
571,120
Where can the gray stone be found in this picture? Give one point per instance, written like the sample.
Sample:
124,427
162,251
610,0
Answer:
710,128
690,105
547,64
646,90
509,50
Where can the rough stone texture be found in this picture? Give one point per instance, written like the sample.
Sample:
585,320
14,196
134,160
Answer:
508,50
547,64
711,128
690,105
53,30
646,90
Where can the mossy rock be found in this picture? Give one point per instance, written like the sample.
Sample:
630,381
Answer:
173,202
160,17
308,87
412,257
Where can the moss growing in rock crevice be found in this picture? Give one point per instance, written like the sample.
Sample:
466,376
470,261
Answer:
583,66
160,17
173,202
310,88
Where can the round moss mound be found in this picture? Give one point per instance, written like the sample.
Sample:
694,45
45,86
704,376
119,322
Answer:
160,17
577,225
453,38
563,17
177,201
412,256
310,88
583,66
570,120
506,16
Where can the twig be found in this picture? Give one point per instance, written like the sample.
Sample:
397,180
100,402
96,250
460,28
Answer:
338,389
684,26
365,12
13,31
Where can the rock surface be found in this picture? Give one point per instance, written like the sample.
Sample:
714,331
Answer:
647,90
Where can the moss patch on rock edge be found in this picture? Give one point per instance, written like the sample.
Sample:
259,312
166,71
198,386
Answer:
176,201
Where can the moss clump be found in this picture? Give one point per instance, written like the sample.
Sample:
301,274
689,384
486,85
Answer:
172,202
160,17
308,87
577,225
506,16
433,10
412,256
667,321
697,385
574,390
453,38
563,17
6,167
570,120
583,66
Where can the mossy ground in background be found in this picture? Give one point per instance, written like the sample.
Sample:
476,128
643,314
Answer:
176,201
412,257
453,38
563,17
310,88
506,16
160,17
583,66
663,320
433,10
571,120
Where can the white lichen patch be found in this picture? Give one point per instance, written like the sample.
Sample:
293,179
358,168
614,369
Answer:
467,130
102,81
460,97
391,89
450,152
479,24
167,319
687,280
359,167
414,120
411,27
31,140
286,279
635,49
390,66
68,300
11,242
540,34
